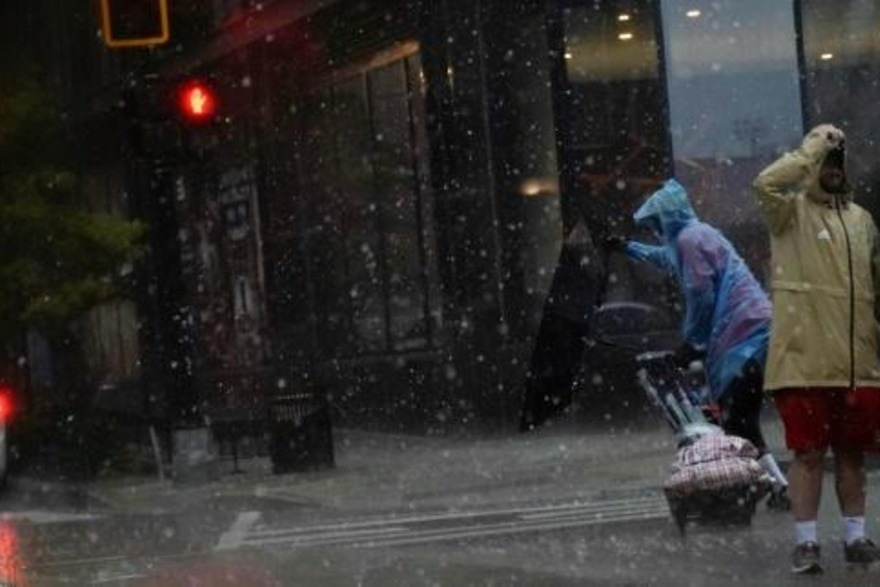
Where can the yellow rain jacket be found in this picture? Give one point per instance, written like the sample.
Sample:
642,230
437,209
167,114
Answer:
824,270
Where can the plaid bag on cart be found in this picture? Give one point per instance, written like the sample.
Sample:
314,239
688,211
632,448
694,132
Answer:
717,478
714,462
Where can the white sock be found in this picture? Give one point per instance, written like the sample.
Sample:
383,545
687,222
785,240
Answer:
854,526
768,463
805,532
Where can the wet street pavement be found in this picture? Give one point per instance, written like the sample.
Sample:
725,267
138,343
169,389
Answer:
399,511
53,533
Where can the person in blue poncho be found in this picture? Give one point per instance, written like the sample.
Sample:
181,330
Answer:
727,314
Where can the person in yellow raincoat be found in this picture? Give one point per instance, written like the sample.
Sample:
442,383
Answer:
822,366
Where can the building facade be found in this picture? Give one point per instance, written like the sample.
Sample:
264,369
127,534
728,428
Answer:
378,209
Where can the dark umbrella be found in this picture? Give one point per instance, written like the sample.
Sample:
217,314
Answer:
577,289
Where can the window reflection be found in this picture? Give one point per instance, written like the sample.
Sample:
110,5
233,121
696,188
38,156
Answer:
842,59
734,102
616,147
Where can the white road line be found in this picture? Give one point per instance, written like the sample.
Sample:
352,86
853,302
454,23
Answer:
604,517
379,536
564,509
621,508
325,538
232,538
119,578
488,531
343,526
441,534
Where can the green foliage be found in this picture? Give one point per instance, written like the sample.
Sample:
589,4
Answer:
57,259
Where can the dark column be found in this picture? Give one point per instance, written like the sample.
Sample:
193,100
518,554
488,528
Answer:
454,63
466,215
155,166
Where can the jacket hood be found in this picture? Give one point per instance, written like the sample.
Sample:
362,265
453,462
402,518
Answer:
818,148
669,205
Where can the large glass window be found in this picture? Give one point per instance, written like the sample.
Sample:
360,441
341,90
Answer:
842,62
363,168
394,169
619,136
319,179
734,103
615,145
356,213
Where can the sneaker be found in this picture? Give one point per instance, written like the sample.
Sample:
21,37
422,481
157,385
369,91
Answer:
861,551
779,500
805,559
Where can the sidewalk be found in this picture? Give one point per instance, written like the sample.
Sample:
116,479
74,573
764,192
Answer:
384,472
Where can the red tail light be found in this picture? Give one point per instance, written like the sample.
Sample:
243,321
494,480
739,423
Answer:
6,405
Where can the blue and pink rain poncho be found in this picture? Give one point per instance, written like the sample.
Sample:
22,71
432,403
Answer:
727,312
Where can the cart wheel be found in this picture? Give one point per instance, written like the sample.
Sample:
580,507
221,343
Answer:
679,515
681,522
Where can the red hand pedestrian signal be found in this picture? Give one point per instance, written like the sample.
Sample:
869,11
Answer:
197,102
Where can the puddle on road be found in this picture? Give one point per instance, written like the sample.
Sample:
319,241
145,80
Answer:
11,561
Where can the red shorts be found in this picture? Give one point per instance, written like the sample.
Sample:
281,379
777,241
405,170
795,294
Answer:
816,418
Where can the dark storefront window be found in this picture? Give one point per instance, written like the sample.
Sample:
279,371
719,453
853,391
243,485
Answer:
362,162
842,62
355,215
394,172
734,103
319,178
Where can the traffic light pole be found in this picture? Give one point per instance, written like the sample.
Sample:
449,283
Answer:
158,152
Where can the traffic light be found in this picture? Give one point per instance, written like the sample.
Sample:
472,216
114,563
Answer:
134,23
196,102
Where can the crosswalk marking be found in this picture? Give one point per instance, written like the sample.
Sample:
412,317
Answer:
327,538
415,529
599,513
549,510
507,529
233,537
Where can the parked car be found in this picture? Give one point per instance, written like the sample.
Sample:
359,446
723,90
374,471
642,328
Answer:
608,388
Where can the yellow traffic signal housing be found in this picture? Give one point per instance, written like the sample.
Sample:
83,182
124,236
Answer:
134,23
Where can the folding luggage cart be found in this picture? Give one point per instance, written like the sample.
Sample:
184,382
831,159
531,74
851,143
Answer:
716,478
